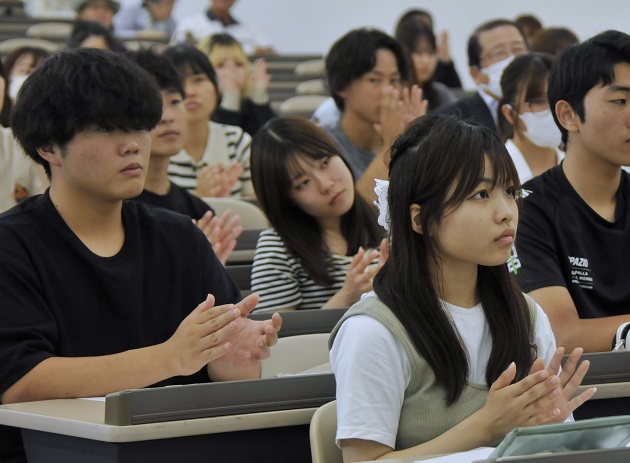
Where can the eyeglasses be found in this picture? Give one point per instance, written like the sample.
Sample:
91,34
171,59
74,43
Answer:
500,54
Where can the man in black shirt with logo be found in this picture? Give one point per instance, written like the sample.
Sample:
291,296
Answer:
573,244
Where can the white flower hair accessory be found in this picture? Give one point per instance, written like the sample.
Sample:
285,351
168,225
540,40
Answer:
381,193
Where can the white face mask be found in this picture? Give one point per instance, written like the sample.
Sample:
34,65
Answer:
15,83
542,129
494,73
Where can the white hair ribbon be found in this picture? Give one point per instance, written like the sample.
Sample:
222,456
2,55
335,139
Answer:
381,193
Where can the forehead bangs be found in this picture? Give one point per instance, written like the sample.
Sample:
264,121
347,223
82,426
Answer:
293,161
535,82
127,99
188,68
471,169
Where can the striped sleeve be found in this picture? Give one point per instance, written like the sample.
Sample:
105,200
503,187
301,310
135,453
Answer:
239,147
273,277
182,171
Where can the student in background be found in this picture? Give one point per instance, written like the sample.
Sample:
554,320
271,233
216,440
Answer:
244,96
215,158
92,34
366,70
18,65
445,71
102,294
420,46
150,20
219,19
525,119
447,354
20,177
529,24
491,47
573,254
320,252
101,11
553,40
167,139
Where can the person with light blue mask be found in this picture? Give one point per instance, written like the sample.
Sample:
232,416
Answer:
526,124
491,48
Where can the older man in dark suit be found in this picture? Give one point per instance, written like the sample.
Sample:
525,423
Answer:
491,47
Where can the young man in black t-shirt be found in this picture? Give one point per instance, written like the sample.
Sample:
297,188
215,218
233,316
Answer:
100,294
573,246
168,139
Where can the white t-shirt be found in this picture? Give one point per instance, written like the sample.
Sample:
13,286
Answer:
327,113
226,144
281,281
372,370
524,172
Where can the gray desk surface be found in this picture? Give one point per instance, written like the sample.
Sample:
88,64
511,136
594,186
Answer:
85,418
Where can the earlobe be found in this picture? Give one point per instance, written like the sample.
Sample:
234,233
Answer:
414,211
566,116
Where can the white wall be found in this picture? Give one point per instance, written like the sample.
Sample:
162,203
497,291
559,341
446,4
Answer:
311,26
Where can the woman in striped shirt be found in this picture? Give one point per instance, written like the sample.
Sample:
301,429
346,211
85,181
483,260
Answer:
215,158
317,254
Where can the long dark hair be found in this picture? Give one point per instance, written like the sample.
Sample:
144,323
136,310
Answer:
409,33
437,163
274,145
526,75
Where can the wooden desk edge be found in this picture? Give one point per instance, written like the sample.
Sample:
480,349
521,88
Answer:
26,416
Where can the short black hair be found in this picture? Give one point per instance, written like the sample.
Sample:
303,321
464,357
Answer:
474,47
354,55
581,67
161,67
189,60
81,88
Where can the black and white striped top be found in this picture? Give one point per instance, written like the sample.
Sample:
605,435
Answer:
281,281
226,144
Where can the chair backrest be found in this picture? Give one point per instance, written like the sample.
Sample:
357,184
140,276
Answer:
251,215
296,354
311,67
301,105
50,30
322,434
7,46
312,87
242,276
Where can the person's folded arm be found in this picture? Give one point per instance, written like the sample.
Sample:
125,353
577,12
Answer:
571,331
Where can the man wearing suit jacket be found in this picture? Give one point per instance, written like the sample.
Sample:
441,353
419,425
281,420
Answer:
491,48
